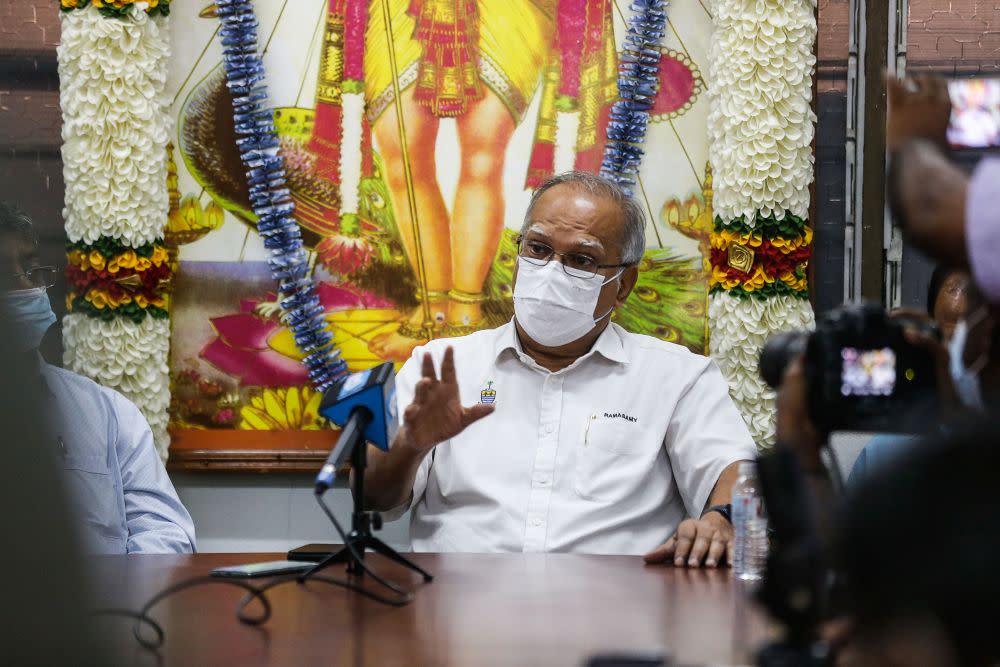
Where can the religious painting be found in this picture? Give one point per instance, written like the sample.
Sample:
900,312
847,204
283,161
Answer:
445,140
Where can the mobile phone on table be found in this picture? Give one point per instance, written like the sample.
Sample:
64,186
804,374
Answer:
313,552
269,569
975,113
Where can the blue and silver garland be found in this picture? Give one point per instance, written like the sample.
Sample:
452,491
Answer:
638,83
269,195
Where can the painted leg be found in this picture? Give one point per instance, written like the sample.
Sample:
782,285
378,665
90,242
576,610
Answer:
477,223
432,217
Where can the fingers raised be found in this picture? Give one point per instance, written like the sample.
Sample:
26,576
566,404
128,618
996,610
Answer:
427,367
422,390
448,366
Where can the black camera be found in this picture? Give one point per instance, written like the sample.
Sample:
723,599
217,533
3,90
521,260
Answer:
861,373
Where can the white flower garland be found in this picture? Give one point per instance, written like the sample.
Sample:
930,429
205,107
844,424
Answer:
128,357
761,127
761,118
115,127
740,327
353,108
113,73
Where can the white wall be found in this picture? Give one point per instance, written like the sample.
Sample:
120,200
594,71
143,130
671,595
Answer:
273,512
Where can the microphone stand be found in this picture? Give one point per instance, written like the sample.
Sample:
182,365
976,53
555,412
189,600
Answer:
362,522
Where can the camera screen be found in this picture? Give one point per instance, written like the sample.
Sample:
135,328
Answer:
868,372
975,116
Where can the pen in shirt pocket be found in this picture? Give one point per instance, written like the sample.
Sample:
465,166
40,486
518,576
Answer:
586,431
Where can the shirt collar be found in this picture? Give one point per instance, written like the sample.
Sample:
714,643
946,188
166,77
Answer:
610,344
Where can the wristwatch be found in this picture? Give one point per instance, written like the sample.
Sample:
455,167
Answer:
725,510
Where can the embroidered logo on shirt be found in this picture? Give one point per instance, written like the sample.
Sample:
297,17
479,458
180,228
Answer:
620,415
489,394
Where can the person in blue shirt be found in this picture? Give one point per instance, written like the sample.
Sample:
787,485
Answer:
121,493
947,297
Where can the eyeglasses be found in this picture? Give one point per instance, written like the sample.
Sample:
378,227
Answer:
40,276
575,264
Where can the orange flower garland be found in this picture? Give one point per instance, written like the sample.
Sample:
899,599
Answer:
108,279
746,262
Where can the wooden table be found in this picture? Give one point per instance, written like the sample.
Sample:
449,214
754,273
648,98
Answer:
481,609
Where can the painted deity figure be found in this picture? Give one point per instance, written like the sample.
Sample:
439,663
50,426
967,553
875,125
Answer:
431,267
479,62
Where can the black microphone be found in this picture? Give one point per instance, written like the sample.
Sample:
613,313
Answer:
363,405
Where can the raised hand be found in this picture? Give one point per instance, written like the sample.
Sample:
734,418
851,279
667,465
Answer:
436,413
919,108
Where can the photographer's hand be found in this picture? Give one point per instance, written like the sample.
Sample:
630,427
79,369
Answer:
919,108
927,193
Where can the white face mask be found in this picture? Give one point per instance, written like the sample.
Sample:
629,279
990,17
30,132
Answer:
554,308
965,379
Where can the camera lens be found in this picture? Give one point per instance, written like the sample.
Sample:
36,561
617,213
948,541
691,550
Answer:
778,352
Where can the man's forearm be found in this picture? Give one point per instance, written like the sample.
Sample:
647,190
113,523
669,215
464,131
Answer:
390,475
722,494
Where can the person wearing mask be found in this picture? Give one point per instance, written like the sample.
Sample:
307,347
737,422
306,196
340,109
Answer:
561,431
947,294
113,474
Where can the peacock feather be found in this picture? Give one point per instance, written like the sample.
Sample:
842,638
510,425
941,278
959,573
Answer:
669,300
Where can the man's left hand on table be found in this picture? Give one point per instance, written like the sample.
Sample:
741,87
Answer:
707,542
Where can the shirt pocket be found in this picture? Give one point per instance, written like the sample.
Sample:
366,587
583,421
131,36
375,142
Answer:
94,464
613,459
94,495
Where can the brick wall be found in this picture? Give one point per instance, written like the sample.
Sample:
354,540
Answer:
30,122
961,36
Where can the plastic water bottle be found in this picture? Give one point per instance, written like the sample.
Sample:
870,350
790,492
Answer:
749,525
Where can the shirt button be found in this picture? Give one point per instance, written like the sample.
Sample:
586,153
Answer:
542,480
536,521
549,428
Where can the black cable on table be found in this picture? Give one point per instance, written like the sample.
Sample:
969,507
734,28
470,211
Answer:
253,592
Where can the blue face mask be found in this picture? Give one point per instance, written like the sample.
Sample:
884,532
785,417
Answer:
31,312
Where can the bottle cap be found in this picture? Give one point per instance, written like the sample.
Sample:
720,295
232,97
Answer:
748,468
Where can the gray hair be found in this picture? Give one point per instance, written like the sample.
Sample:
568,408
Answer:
14,220
633,241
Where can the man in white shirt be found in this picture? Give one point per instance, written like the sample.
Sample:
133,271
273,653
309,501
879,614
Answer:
579,436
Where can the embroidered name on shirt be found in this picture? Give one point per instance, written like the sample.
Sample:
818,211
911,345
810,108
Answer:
620,415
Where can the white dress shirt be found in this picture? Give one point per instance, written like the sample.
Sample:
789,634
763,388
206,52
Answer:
606,456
